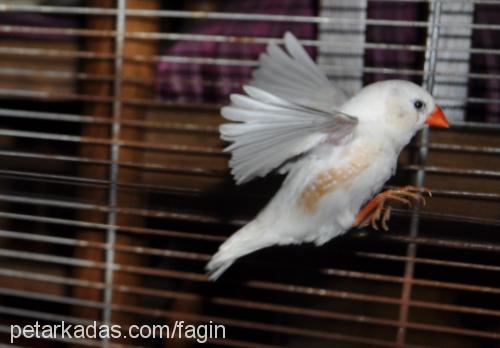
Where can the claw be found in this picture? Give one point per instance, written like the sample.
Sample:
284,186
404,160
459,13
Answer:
399,199
415,196
418,189
385,217
374,224
377,209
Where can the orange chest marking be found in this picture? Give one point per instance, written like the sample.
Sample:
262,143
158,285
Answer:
328,180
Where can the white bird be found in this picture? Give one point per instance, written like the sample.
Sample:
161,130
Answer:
337,152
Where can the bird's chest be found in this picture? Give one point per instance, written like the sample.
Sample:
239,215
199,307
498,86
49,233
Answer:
361,168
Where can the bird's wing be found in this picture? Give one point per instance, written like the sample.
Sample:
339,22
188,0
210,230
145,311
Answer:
268,130
295,77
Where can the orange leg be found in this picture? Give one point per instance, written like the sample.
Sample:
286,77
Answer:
371,213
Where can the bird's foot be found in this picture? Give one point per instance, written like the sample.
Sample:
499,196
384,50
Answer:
378,208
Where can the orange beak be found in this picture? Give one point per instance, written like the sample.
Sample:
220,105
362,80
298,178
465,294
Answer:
437,118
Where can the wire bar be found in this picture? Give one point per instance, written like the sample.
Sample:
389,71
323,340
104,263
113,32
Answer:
467,245
411,249
210,61
231,16
73,32
278,308
39,151
154,167
205,257
104,246
243,303
93,343
181,191
24,255
198,150
263,327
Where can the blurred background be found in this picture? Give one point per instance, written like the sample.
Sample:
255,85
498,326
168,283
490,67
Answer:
114,190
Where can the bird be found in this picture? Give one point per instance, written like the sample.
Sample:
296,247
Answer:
337,151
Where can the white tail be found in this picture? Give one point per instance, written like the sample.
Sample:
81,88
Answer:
246,240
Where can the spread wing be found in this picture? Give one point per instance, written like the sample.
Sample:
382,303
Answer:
289,108
295,77
268,130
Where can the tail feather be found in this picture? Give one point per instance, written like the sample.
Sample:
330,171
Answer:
246,240
215,269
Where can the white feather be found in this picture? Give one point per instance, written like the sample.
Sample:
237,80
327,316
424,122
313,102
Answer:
295,77
272,131
246,240
280,118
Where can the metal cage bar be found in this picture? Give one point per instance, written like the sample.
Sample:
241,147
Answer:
180,175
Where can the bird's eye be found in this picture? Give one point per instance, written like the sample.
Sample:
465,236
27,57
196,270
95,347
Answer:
419,105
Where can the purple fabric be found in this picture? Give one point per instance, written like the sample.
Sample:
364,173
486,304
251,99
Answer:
191,82
396,59
213,83
488,64
485,64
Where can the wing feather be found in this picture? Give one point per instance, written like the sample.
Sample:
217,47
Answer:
295,76
267,134
288,109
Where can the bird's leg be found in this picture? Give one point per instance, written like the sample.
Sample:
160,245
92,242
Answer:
377,209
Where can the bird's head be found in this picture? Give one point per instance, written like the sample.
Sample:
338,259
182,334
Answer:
409,107
400,107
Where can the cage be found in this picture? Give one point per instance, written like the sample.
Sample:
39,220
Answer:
114,189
